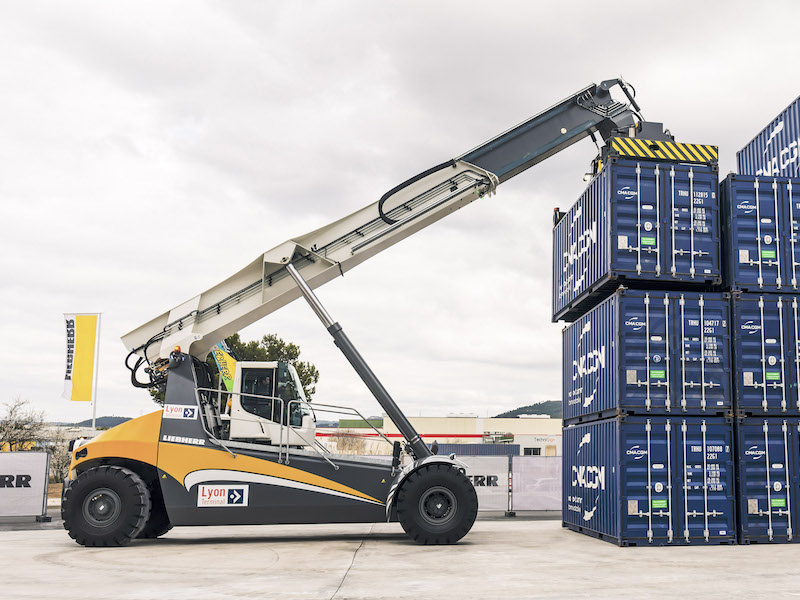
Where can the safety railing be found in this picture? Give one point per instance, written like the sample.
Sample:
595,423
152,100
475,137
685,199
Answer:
285,428
231,418
333,409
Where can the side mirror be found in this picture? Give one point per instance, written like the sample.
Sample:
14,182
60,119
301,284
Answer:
308,422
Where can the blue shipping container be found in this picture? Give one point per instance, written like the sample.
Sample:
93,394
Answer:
768,459
766,340
650,480
648,352
761,231
654,223
774,151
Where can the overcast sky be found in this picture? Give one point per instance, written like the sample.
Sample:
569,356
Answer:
148,150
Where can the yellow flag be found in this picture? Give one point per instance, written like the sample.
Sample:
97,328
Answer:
225,363
82,342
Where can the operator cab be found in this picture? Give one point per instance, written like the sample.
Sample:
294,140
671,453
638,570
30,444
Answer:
268,405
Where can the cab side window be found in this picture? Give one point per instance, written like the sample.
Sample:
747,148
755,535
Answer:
258,382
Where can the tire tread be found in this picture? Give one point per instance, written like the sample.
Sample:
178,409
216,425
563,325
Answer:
415,485
129,484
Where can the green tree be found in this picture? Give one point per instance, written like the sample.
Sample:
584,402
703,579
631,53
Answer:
272,348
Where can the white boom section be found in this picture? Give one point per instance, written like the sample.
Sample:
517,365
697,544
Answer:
264,286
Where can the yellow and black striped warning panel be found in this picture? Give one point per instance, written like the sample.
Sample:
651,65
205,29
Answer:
661,150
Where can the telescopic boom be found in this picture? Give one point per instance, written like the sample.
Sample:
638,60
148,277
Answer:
264,286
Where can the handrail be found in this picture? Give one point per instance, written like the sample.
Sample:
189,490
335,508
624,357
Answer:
309,444
353,411
280,442
283,423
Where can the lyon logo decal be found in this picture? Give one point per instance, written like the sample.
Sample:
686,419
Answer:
223,495
178,411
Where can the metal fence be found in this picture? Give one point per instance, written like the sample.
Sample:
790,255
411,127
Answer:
515,482
23,484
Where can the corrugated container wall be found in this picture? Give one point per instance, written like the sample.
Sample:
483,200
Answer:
774,151
656,223
650,480
768,473
648,352
766,340
761,232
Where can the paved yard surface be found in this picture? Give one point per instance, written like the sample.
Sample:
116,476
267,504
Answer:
500,558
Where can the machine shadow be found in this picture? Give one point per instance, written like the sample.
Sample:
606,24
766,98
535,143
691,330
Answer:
282,539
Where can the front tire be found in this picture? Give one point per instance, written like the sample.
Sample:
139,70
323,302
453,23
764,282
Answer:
158,524
437,504
106,506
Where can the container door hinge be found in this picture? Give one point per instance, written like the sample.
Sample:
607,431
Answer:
758,235
638,219
674,268
792,234
691,220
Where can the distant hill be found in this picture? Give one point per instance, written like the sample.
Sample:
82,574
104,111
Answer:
107,422
550,407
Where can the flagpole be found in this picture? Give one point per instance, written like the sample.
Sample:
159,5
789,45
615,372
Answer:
96,369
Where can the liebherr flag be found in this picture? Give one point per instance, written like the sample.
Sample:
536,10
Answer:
82,345
225,363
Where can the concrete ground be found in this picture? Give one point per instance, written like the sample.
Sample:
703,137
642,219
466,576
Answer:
526,557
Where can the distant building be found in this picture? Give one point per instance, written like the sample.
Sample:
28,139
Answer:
536,435
51,436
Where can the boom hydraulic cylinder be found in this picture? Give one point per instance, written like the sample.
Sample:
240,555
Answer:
418,447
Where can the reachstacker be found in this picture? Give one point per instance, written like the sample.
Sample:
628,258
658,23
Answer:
198,462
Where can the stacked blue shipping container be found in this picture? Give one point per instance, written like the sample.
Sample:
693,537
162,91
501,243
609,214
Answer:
650,480
639,223
773,152
648,437
681,391
646,352
762,217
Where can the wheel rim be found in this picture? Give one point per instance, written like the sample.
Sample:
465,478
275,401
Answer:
438,505
102,507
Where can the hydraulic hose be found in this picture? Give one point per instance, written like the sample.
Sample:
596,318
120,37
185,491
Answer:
394,190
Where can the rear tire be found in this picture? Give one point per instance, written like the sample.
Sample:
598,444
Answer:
106,506
437,505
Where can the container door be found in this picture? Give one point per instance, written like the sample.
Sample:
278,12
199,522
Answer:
762,367
635,216
794,462
702,368
793,396
756,232
649,511
645,352
764,479
692,248
705,481
792,195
